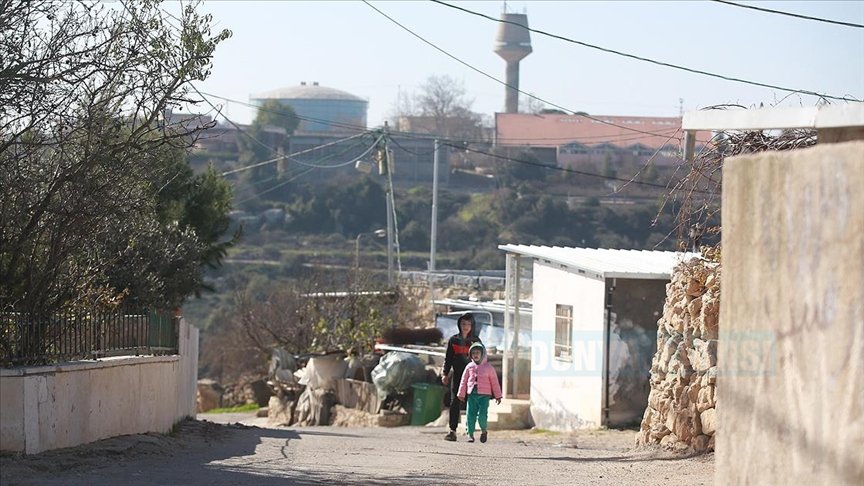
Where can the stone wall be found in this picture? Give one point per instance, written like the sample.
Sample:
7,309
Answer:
681,404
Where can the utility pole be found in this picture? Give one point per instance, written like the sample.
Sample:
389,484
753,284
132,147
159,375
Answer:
434,231
389,195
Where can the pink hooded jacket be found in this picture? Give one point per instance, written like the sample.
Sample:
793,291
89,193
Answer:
481,375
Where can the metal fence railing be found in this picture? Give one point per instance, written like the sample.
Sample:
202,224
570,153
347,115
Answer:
31,339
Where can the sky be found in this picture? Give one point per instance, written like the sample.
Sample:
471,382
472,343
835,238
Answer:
348,46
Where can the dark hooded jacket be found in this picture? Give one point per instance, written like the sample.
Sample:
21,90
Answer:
456,356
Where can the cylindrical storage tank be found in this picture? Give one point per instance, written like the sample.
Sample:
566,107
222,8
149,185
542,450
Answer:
513,43
320,109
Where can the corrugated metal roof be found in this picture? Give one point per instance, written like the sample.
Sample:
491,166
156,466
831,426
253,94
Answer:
606,263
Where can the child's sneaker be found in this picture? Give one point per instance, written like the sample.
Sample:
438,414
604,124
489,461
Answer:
470,438
483,437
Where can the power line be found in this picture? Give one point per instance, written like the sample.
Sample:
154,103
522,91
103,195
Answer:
790,14
277,186
251,184
633,56
301,152
560,169
455,144
634,136
311,168
493,78
459,146
285,114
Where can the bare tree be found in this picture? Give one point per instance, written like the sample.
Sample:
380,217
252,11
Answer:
440,107
321,312
531,105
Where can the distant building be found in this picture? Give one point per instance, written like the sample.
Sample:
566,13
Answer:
451,127
322,109
593,332
188,121
580,140
413,156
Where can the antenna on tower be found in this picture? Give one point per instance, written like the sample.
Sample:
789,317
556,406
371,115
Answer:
505,8
681,107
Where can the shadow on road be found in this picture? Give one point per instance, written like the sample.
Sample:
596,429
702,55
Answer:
197,453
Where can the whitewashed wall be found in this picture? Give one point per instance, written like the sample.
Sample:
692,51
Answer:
567,395
49,407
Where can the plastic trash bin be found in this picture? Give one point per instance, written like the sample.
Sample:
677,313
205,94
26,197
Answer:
427,403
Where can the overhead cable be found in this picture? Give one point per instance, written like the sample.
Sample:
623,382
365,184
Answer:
558,168
790,14
301,152
618,137
493,78
630,56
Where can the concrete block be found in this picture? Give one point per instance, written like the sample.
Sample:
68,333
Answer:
790,407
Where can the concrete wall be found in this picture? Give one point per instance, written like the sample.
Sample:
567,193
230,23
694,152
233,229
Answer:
50,407
791,352
567,395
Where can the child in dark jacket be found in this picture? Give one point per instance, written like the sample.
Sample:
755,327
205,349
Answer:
479,384
456,359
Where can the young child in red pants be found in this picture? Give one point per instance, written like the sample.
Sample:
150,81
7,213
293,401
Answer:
479,385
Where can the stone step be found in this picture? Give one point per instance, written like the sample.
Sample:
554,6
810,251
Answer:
510,406
511,414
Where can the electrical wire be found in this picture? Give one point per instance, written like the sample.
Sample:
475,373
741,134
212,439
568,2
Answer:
619,137
304,172
455,144
623,54
493,78
277,186
281,157
557,168
301,152
790,14
252,184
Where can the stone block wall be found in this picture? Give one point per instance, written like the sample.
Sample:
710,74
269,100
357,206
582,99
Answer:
681,411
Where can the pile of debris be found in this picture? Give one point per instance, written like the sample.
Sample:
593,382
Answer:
335,389
247,390
681,405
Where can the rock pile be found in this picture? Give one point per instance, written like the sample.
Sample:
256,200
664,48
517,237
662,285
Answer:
249,389
681,405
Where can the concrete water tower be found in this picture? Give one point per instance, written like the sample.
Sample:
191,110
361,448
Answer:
513,43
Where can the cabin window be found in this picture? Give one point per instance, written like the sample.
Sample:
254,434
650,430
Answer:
564,332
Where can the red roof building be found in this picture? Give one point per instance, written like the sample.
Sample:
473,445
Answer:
581,139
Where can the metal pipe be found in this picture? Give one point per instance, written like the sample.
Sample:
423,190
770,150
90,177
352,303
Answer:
389,240
517,292
508,301
434,230
606,345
